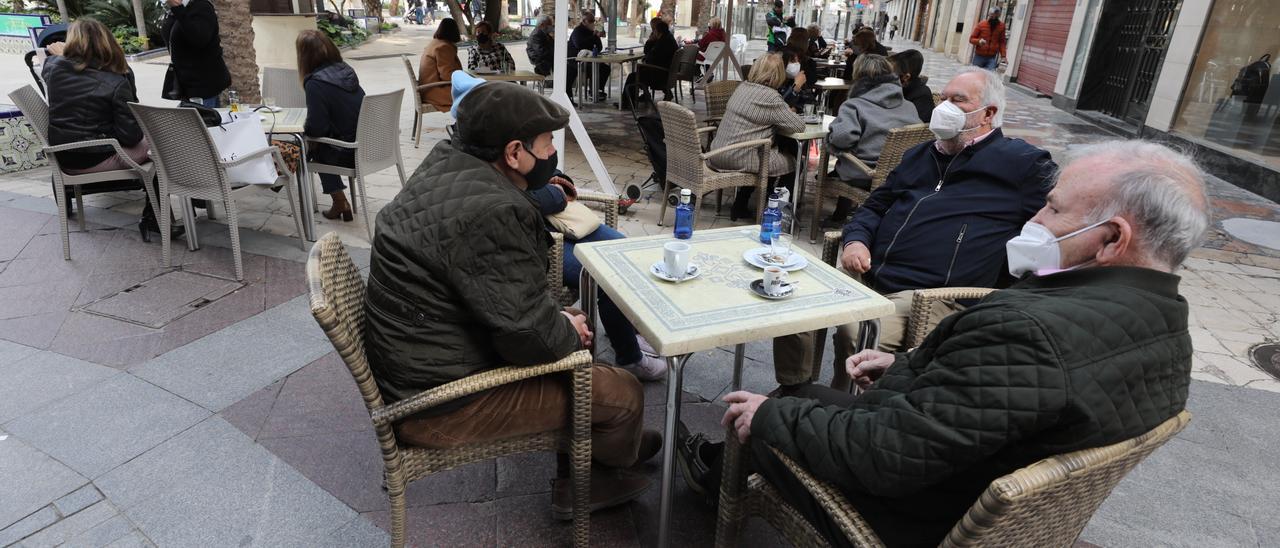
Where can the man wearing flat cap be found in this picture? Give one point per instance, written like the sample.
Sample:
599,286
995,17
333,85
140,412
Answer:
458,285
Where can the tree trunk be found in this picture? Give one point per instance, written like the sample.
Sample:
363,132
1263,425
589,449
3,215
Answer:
668,10
702,13
62,11
495,12
548,8
374,8
394,6
462,18
235,29
141,21
638,13
19,6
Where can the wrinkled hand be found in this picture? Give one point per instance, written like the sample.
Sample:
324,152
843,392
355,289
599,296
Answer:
982,41
570,191
866,367
856,258
742,409
800,80
579,322
55,48
848,52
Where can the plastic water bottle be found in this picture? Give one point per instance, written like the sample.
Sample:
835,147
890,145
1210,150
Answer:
771,221
684,216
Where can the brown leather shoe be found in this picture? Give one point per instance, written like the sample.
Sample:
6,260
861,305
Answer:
609,487
650,445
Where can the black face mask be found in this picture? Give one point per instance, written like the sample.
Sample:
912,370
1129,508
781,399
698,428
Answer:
482,38
543,170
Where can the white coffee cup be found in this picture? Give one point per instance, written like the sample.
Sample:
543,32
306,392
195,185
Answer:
675,259
775,281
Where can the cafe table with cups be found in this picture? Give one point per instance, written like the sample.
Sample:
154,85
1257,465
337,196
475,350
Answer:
720,287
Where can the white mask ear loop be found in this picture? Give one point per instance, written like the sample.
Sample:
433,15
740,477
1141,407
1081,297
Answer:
1090,227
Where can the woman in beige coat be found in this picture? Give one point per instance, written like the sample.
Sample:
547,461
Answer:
757,111
439,60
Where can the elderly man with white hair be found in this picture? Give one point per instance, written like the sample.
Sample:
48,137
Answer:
1090,347
940,219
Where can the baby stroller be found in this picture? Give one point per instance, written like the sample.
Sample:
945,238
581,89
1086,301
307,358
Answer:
649,124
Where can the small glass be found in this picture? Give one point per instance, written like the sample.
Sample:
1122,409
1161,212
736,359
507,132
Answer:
780,248
233,101
270,103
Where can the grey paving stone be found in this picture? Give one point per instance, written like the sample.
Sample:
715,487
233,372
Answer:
527,521
251,413
78,500
18,226
132,540
36,331
30,479
320,398
54,295
73,526
26,526
225,367
526,474
107,424
114,528
461,524
43,377
253,241
212,486
11,352
358,532
105,341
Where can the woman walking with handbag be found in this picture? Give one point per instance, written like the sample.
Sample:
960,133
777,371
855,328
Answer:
197,71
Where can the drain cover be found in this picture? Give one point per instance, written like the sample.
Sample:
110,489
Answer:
162,299
1267,356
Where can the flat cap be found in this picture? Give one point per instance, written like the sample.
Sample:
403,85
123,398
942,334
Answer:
493,114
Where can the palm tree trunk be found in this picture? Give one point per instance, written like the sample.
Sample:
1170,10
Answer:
141,21
495,12
62,11
374,8
668,10
235,29
462,18
548,8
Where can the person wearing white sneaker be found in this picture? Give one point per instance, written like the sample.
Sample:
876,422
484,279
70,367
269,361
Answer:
630,353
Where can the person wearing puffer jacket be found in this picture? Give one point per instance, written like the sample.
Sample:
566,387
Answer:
875,106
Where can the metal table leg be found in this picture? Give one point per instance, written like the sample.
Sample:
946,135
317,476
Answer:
189,220
587,298
306,192
739,352
675,377
802,166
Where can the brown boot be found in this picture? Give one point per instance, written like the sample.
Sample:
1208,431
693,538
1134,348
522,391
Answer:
609,487
650,445
341,208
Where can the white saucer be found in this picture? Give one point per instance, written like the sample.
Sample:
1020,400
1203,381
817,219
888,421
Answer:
755,257
757,287
659,271
812,120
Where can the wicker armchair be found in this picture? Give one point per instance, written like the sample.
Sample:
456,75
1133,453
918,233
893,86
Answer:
718,94
283,85
189,165
337,302
423,107
377,148
555,268
895,145
1045,504
36,112
687,164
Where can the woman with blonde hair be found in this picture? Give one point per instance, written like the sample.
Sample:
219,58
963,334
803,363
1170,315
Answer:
90,87
757,111
875,106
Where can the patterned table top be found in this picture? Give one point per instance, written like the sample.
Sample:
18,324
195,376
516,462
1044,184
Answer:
612,58
287,121
717,308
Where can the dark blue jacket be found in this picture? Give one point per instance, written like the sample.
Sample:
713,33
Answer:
334,97
942,221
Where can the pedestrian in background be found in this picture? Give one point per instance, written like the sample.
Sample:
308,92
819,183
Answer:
195,53
988,41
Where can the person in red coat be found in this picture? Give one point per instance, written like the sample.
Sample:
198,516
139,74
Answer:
988,41
715,33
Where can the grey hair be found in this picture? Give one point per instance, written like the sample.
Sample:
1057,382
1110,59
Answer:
992,92
1161,190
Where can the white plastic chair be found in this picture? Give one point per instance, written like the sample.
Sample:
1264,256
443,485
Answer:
713,52
377,147
738,44
283,85
189,166
36,112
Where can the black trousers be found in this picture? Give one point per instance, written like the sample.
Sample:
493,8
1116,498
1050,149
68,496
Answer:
767,464
571,75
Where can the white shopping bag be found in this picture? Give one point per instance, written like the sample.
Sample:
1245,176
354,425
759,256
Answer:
241,135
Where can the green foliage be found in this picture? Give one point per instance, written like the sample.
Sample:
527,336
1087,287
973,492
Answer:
128,39
389,26
112,13
346,35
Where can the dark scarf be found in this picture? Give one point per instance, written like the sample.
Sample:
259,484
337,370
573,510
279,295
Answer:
863,85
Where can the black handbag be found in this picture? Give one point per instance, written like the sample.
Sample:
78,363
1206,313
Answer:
210,117
172,89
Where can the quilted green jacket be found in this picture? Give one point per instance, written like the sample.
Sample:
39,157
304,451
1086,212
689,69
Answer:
1068,361
458,280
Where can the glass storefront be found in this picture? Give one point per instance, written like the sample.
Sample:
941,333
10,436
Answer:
1232,97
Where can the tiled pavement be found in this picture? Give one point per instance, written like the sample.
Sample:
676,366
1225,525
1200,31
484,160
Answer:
236,424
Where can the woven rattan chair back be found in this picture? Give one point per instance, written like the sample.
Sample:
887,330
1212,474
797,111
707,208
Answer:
685,166
36,111
378,132
185,156
899,141
718,94
337,302
283,85
1049,502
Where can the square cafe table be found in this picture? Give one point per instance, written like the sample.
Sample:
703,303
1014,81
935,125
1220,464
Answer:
290,121
715,309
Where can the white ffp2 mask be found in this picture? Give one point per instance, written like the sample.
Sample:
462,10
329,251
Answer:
793,69
1037,249
948,120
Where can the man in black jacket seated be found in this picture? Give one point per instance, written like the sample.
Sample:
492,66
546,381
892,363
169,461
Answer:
940,219
1090,348
192,32
585,36
541,47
